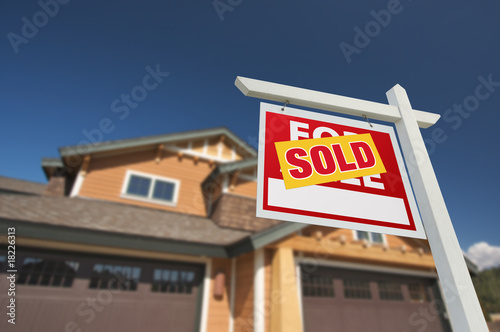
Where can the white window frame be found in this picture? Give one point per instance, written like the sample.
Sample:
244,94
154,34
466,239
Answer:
355,236
150,198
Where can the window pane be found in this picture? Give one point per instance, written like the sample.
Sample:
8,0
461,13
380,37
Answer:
115,277
46,272
320,286
138,185
173,281
418,292
357,289
164,190
363,235
377,238
3,261
389,290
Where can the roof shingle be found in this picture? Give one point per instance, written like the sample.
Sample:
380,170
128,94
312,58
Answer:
116,218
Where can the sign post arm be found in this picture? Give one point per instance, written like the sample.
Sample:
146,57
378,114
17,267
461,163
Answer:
326,101
460,296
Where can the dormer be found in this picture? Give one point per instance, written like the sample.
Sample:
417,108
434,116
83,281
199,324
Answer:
161,172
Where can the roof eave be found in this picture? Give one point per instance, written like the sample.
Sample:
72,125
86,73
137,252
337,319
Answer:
119,240
145,141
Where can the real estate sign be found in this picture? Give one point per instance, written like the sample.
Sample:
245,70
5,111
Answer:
333,171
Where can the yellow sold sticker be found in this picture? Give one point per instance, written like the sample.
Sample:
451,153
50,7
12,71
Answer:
322,160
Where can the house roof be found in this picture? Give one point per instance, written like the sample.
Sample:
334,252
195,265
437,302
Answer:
104,216
158,139
16,186
98,222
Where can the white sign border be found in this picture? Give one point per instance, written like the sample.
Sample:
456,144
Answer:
266,107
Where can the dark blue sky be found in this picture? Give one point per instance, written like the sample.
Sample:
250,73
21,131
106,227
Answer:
66,76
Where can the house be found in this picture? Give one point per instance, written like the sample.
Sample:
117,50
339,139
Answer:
160,234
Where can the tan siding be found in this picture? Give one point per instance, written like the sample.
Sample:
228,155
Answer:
198,146
245,188
227,152
328,232
107,174
219,309
393,241
397,242
243,304
268,257
213,147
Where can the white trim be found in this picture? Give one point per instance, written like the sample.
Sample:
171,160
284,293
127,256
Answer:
366,267
220,147
232,295
225,183
154,178
205,146
206,296
299,289
77,185
233,153
190,145
259,315
201,155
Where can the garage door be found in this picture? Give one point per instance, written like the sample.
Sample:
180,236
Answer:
74,292
352,301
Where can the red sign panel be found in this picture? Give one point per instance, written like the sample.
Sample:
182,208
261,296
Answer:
381,203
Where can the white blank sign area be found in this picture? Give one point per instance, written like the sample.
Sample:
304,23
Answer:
339,202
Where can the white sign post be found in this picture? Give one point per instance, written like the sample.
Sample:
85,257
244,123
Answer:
460,297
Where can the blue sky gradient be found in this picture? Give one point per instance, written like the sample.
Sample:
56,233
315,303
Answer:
66,77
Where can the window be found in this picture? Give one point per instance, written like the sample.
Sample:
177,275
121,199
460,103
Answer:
319,286
138,185
47,272
418,292
370,237
172,281
146,187
390,290
106,276
357,289
3,261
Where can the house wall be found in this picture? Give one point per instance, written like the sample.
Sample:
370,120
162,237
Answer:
219,308
213,147
268,257
238,212
245,188
392,241
243,304
106,175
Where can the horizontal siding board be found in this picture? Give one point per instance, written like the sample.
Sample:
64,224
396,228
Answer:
105,178
243,307
245,188
219,311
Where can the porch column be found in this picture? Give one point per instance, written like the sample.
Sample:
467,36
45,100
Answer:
285,310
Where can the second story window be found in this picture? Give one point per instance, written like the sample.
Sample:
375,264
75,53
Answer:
147,187
370,237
